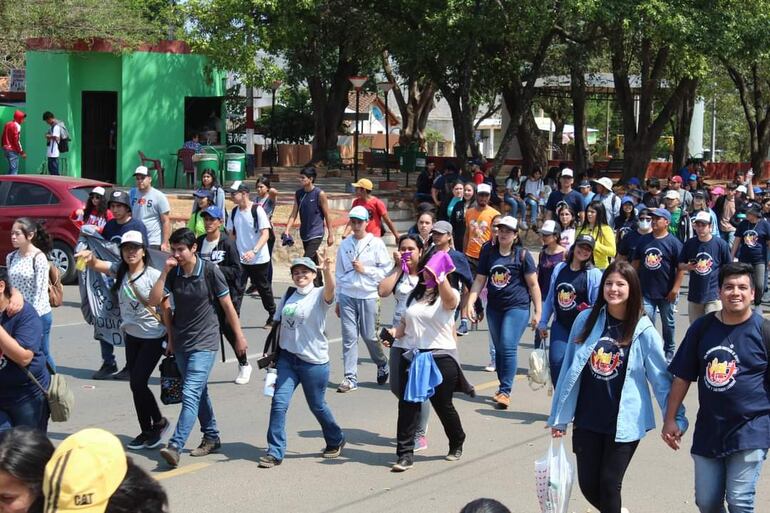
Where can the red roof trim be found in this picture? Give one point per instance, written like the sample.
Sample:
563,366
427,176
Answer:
103,45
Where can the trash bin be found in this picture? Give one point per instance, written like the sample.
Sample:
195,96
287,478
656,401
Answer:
205,161
409,158
420,161
235,163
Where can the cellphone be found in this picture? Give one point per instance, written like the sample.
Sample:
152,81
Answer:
386,336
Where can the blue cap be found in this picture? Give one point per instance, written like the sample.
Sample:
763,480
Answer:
627,199
634,181
757,190
304,262
693,178
661,212
204,193
214,211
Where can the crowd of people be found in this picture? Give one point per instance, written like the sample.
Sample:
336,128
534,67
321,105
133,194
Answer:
611,257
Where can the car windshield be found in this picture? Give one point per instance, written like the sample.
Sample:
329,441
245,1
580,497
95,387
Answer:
81,193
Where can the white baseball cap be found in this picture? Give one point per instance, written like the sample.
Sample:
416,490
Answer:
142,170
510,222
98,190
548,228
670,194
132,237
605,182
742,188
567,172
484,188
359,213
702,217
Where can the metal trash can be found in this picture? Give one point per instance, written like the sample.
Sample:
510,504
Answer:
205,161
235,163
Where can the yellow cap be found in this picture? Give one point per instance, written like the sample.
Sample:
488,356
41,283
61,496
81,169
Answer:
364,183
84,472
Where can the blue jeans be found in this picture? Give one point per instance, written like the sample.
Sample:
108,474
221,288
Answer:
47,320
33,413
666,310
359,317
293,371
729,237
506,328
732,478
108,352
195,368
516,204
13,162
557,346
533,212
53,166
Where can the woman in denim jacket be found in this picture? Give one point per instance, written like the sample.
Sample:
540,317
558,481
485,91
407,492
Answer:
613,352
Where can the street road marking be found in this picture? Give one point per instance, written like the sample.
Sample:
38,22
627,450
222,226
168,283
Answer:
69,324
182,470
495,383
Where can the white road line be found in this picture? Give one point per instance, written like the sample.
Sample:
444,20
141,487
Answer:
69,324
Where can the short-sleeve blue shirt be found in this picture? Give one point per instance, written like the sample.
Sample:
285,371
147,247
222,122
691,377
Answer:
15,386
506,287
658,262
754,237
709,257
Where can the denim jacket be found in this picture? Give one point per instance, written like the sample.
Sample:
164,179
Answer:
646,363
593,279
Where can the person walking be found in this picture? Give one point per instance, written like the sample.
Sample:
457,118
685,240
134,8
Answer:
209,183
567,225
565,193
656,259
614,356
573,287
143,328
551,254
378,212
596,226
304,359
362,262
478,225
150,206
196,287
750,246
11,141
608,198
725,207
457,215
96,212
249,226
266,198
52,137
630,240
726,352
509,272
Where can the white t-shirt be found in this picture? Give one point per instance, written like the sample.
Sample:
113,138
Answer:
404,287
429,326
137,320
246,236
52,150
303,321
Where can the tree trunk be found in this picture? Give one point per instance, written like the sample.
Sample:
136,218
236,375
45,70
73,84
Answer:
415,109
756,109
681,128
328,108
581,158
636,156
462,123
534,147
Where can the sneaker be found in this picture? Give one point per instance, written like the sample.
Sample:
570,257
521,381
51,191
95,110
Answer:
420,444
123,375
624,510
404,463
523,225
206,447
462,330
347,385
171,454
244,374
382,374
269,323
138,443
454,454
105,371
155,437
333,452
491,367
502,401
269,461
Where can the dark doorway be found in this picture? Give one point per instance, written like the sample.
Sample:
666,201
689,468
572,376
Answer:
98,136
202,117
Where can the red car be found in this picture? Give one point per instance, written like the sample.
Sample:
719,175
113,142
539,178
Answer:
53,199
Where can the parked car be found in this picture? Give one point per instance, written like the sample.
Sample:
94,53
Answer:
52,199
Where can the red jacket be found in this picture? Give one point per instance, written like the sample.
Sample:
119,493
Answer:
12,132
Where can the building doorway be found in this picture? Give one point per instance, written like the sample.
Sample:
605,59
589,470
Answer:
98,135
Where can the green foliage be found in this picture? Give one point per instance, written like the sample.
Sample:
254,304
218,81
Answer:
293,118
433,136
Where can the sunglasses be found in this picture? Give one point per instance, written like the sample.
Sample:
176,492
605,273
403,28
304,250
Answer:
645,219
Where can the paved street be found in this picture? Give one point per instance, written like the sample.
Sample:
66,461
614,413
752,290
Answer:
497,462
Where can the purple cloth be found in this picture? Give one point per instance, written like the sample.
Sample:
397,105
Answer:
405,257
437,268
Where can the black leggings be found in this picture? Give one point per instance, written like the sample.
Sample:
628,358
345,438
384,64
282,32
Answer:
311,251
227,330
142,355
409,413
601,465
258,275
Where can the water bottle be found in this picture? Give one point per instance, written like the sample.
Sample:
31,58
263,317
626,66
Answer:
270,378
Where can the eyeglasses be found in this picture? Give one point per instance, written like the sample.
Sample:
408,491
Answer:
645,219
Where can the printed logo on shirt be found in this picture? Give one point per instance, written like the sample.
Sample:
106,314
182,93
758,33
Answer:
217,256
721,367
623,232
3,361
479,231
704,263
289,316
566,296
653,258
751,238
144,202
499,276
605,364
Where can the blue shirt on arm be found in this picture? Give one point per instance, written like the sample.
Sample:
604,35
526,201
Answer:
15,386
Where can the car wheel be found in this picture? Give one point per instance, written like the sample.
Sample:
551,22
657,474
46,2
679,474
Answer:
63,258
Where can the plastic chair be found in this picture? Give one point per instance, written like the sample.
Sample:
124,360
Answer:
184,156
151,164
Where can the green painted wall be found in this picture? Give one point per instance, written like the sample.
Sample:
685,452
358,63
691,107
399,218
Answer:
6,115
151,91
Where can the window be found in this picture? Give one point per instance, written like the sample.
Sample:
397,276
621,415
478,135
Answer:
28,194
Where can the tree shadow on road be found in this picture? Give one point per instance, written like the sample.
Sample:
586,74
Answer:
354,437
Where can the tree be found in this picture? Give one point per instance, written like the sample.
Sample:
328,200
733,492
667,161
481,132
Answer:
292,120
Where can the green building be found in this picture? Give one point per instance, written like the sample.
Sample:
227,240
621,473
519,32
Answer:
116,104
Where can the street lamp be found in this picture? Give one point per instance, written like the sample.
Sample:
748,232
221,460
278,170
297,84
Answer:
385,87
274,149
358,82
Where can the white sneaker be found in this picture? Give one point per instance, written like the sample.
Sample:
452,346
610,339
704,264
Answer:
244,374
491,367
624,510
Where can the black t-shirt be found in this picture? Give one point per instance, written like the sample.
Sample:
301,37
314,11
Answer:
731,368
573,198
658,262
628,242
651,200
601,382
571,291
754,237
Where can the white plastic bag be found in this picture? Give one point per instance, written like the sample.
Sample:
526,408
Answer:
554,476
539,374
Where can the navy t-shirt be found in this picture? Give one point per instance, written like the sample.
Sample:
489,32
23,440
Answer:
753,249
15,385
506,287
571,291
572,198
628,243
708,256
601,382
659,259
731,368
113,230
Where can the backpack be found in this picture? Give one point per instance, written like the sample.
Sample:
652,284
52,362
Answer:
254,209
55,287
64,138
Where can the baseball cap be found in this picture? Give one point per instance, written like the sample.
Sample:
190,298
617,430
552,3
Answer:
239,186
483,188
742,188
699,194
702,217
584,183
203,193
132,237
359,212
671,195
213,211
585,239
693,178
141,170
661,212
305,262
567,172
677,179
121,197
548,228
364,183
757,189
634,181
605,182
717,191
442,227
754,209
509,222
627,199
98,190
84,472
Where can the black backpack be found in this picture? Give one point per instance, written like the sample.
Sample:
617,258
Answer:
64,138
254,208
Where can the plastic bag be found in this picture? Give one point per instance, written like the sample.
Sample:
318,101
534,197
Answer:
554,476
170,381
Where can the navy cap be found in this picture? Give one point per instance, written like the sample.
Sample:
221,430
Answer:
585,239
214,211
203,193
